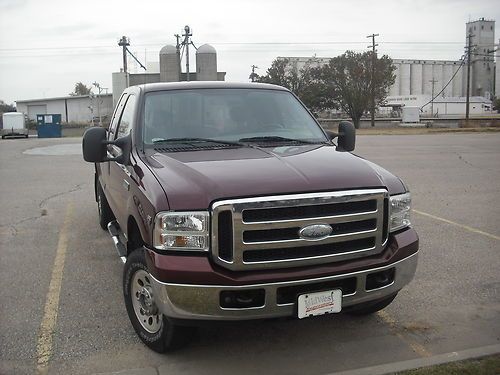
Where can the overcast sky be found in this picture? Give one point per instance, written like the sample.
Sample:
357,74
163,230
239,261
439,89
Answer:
46,46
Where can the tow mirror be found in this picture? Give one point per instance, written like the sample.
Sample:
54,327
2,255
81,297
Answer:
347,136
94,146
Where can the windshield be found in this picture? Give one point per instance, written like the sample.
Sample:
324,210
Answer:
227,114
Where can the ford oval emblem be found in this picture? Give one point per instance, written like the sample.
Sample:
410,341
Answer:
315,232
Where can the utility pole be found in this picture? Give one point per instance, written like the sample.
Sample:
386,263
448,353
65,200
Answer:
124,42
252,76
433,81
186,43
374,59
469,49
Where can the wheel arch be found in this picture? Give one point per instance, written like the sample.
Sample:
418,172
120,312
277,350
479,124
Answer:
134,235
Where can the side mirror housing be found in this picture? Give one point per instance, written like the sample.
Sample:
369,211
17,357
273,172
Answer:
347,136
95,144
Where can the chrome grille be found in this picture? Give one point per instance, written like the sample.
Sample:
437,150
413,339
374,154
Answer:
264,231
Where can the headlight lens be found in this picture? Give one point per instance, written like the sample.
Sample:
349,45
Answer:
181,231
399,211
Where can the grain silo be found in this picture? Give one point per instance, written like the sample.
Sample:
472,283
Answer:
170,64
206,63
426,78
447,74
404,85
458,80
416,78
394,89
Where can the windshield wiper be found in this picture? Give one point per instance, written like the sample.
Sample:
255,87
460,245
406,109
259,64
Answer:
195,140
275,139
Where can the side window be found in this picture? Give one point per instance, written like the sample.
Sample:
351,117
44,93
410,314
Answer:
116,116
125,124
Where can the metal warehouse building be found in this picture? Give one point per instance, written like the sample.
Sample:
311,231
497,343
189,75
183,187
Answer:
72,108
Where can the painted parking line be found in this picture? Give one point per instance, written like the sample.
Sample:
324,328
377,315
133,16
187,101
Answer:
45,336
415,346
466,227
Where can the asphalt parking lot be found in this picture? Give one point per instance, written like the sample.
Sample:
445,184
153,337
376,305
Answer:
47,208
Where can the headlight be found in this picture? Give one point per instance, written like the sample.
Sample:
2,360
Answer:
181,231
399,211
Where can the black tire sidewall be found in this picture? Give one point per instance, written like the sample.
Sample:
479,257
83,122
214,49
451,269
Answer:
158,340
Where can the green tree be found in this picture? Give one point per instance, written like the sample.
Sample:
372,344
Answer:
4,107
346,82
80,89
302,82
496,104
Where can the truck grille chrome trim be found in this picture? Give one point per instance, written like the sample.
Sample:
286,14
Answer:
265,232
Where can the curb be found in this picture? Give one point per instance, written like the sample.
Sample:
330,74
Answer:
423,362
372,370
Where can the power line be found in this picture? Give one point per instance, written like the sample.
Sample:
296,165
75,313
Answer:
445,86
232,43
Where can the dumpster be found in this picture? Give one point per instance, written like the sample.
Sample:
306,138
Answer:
48,126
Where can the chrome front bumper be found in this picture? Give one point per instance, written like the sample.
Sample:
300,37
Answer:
202,302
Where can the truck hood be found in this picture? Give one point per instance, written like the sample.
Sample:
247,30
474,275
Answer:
193,180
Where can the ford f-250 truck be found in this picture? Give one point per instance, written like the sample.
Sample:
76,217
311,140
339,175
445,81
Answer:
230,202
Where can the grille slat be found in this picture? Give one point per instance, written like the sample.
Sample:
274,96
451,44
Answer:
305,212
282,234
225,236
265,231
302,252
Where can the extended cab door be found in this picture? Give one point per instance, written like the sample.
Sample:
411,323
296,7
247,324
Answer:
119,174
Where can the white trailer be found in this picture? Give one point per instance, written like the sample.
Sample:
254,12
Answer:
14,125
411,115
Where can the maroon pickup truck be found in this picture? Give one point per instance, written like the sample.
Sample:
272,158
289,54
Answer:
230,202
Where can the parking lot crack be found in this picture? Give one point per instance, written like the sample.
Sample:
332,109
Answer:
73,189
12,227
461,158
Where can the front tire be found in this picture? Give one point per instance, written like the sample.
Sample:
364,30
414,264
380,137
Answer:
152,327
103,209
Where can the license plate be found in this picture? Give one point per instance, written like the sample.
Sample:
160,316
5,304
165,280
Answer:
319,303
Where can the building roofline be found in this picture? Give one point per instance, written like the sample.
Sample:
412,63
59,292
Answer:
58,98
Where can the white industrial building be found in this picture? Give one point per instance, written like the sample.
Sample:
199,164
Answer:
482,62
428,77
442,106
418,80
85,108
78,109
497,71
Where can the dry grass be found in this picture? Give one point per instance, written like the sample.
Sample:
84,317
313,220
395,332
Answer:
481,366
